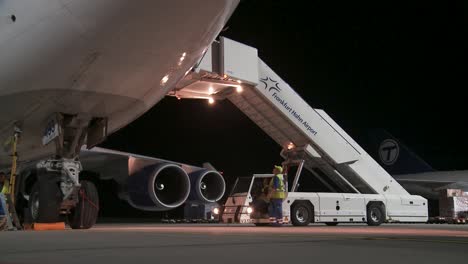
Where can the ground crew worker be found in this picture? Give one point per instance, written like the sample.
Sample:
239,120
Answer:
264,200
265,190
261,201
4,214
4,183
277,195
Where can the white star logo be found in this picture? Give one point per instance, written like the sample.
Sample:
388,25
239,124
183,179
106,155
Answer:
270,84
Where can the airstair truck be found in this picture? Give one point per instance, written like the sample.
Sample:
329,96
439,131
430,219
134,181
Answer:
331,179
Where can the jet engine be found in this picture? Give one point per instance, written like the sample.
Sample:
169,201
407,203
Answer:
158,187
206,186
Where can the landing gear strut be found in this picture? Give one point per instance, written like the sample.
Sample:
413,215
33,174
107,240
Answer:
58,190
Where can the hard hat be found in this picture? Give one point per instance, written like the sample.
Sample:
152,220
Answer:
280,168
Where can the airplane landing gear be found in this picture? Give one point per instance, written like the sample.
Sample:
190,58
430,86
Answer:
58,190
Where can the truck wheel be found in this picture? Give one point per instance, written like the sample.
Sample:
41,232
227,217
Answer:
375,215
45,199
331,223
301,214
85,213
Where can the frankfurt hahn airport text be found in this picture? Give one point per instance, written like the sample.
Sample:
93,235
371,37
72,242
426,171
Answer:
295,114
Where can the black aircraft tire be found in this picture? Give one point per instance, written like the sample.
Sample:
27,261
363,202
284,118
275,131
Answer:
46,192
34,201
85,214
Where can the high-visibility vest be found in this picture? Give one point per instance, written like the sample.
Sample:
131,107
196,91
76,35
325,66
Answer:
6,187
280,192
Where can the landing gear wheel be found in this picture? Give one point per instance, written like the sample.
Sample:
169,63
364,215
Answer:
331,223
85,214
45,199
33,203
375,215
301,214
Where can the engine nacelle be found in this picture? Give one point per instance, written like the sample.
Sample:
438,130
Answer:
207,186
158,187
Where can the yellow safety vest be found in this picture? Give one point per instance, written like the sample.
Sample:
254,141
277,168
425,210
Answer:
6,189
279,193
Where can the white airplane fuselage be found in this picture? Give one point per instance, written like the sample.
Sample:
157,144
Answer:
102,58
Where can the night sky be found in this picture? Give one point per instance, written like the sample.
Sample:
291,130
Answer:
397,66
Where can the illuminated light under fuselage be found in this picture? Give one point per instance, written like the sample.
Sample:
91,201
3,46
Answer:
290,145
187,72
239,89
165,79
239,81
210,90
182,58
211,100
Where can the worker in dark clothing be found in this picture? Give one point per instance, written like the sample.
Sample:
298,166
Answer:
261,201
277,195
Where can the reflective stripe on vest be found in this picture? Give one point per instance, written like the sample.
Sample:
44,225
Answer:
5,189
280,192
